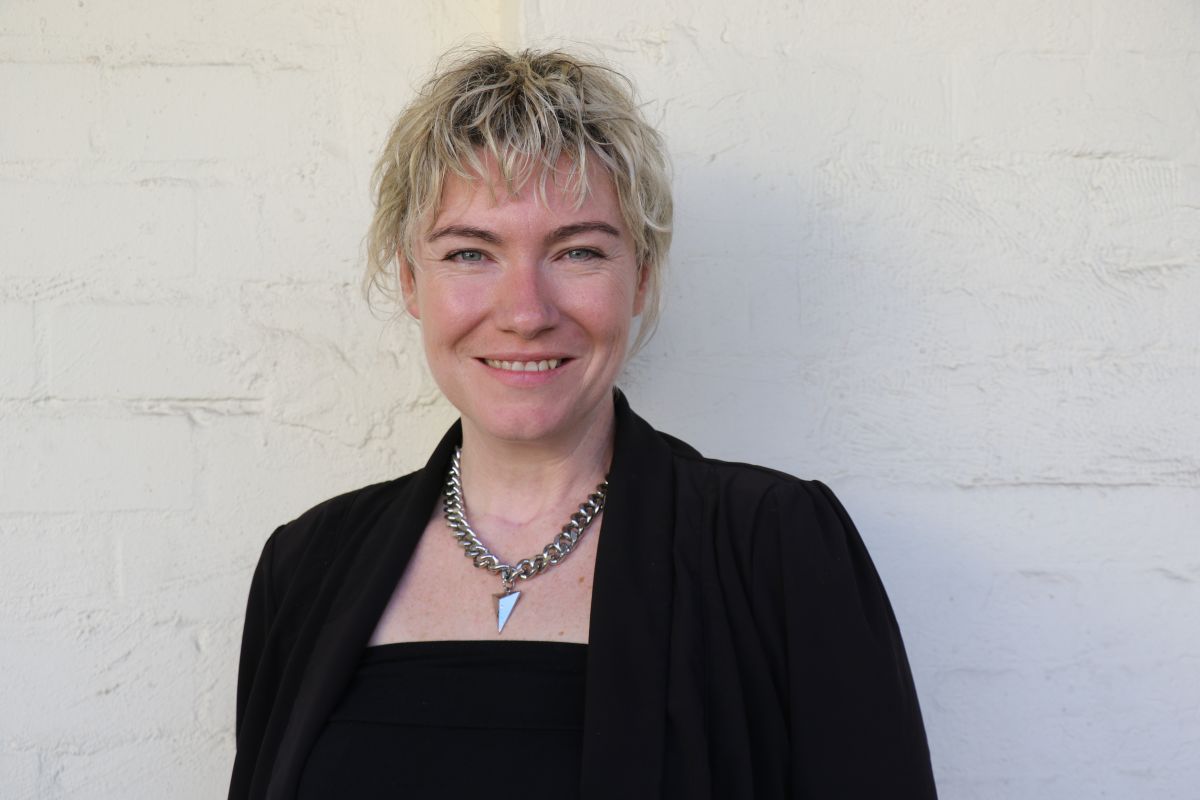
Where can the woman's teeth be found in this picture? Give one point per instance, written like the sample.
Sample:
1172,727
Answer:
524,366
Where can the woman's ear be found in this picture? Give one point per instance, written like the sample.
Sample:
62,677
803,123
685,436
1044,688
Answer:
643,283
408,286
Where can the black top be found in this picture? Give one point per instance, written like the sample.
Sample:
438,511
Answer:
455,719
740,643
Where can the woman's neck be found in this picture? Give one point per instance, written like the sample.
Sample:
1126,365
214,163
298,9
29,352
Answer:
511,485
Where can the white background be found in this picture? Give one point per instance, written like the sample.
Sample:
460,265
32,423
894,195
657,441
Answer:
943,255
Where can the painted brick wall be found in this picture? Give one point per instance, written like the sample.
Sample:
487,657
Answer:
946,257
185,358
943,256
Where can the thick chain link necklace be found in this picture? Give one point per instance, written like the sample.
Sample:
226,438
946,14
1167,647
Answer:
558,549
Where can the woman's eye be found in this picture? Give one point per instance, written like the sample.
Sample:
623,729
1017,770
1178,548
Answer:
582,254
466,256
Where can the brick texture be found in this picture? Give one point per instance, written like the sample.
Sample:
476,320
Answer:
942,255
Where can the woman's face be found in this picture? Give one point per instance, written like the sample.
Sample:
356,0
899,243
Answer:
525,306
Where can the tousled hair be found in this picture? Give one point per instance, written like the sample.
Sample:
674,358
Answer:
526,112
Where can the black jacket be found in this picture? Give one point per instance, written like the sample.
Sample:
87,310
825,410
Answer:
741,644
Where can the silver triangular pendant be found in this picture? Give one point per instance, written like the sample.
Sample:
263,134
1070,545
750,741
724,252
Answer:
505,603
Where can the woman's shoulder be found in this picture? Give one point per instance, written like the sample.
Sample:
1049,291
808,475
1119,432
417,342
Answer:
327,517
761,517
787,540
317,535
742,483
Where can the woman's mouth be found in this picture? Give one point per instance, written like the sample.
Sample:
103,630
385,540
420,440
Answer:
544,365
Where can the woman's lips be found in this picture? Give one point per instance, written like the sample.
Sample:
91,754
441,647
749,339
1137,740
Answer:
542,365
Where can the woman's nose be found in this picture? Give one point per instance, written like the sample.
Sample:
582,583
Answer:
525,302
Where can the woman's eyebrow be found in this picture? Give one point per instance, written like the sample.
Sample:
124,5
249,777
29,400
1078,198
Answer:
567,231
556,235
465,231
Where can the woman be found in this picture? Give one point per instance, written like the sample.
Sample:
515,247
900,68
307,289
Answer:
700,629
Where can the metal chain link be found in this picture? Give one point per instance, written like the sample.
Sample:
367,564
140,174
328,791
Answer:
552,554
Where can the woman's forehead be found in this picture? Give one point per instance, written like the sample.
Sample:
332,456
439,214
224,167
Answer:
558,192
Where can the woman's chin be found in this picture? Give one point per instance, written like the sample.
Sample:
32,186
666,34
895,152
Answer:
536,423
531,429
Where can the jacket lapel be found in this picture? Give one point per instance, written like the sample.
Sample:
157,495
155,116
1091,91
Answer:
362,593
625,703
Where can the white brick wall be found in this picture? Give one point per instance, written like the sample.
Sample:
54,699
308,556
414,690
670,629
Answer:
118,231
185,361
945,256
18,357
74,459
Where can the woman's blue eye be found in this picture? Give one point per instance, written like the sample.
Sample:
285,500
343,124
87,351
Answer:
472,256
581,254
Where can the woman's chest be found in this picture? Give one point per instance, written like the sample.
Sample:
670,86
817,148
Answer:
443,596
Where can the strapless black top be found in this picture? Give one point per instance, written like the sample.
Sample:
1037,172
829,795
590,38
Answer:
455,719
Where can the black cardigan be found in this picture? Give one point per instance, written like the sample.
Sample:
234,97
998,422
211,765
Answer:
740,645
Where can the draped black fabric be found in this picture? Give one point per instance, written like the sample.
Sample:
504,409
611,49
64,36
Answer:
741,644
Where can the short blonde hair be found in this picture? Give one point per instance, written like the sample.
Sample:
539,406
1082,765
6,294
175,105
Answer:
526,111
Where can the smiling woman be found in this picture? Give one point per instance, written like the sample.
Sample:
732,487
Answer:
683,628
506,283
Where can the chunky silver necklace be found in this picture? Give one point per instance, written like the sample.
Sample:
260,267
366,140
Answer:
558,549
